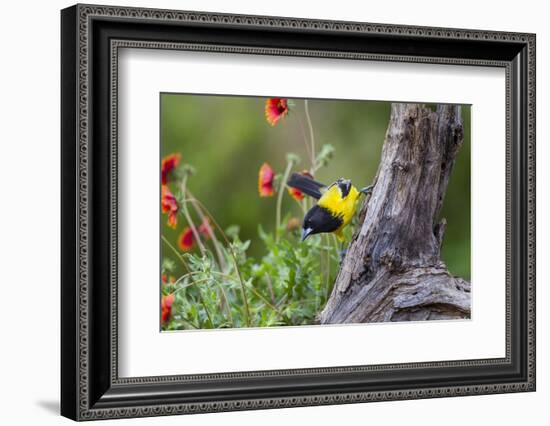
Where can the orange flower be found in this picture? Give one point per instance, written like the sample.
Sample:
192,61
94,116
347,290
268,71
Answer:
186,239
265,181
166,307
275,109
168,164
296,193
166,280
169,205
205,229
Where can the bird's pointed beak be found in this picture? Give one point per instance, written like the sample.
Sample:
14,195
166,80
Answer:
306,232
366,190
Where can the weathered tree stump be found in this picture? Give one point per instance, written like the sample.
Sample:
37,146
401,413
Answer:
393,269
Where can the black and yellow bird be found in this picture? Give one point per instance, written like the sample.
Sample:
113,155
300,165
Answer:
335,208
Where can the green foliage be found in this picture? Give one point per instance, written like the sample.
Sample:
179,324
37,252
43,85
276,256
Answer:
293,158
326,154
287,286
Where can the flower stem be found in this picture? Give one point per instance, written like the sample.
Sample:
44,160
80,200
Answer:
212,235
311,135
217,246
280,200
306,142
226,240
191,284
185,212
267,303
180,257
203,303
270,287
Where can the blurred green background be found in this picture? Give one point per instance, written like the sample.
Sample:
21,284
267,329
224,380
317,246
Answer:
227,138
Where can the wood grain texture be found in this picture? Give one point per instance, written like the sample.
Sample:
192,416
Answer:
393,269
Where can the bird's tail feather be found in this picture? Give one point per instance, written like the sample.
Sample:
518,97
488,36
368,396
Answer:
306,185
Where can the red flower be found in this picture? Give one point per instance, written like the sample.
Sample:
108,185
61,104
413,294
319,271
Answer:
296,193
265,181
275,109
166,280
169,205
169,163
205,229
186,239
166,307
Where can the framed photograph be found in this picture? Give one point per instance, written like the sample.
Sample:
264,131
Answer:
263,212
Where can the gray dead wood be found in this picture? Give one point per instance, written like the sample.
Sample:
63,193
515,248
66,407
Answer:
393,269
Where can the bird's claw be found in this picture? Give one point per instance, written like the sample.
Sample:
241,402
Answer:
367,189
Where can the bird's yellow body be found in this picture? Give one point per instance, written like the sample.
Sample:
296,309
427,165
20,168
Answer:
335,207
340,205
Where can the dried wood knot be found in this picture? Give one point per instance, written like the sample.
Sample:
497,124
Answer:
401,165
392,260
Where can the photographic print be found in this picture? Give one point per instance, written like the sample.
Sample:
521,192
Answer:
270,205
214,194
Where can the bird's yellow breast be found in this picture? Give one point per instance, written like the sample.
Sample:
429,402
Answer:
343,207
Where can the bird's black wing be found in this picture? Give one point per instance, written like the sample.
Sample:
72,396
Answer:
306,185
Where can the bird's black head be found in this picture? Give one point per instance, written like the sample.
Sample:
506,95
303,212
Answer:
344,185
319,219
310,225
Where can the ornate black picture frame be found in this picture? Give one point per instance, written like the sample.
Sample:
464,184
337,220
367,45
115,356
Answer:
91,36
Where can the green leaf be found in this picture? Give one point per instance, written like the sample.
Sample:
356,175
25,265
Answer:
292,158
168,265
232,232
325,155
